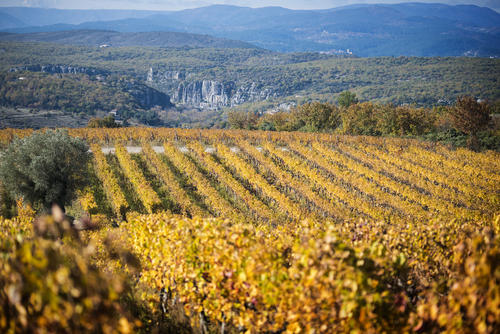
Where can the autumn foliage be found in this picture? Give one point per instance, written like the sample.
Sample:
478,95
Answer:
264,232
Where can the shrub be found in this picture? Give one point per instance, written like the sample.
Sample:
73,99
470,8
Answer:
50,286
472,304
45,168
404,120
361,119
106,122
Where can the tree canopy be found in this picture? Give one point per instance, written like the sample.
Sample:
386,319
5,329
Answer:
105,122
45,168
346,99
470,116
466,123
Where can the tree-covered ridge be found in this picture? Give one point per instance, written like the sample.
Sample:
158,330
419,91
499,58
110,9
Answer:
114,38
77,93
297,77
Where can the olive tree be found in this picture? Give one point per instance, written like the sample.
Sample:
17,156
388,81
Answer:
45,168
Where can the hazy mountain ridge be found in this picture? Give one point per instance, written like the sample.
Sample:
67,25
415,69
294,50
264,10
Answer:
118,39
8,21
416,29
32,16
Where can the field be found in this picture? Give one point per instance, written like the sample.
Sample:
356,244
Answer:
293,232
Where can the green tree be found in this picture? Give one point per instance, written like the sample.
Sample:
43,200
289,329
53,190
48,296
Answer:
242,120
346,99
403,120
106,122
45,168
318,116
496,107
361,119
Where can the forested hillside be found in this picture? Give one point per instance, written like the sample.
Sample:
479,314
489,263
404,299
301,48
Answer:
77,96
78,93
114,38
256,75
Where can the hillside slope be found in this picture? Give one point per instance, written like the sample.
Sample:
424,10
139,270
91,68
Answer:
216,78
8,21
45,16
118,39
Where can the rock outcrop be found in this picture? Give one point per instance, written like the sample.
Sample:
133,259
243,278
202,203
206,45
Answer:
206,94
203,94
251,92
53,69
167,75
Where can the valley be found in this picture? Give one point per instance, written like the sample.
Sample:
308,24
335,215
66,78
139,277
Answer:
214,81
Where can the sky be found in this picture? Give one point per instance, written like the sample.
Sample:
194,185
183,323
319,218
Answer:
183,4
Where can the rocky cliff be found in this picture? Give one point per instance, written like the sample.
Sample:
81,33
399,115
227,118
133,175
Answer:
203,94
206,94
53,69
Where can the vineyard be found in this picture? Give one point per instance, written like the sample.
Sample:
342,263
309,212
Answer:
264,232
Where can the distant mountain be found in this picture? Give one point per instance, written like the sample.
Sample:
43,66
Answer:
412,29
49,16
113,38
9,22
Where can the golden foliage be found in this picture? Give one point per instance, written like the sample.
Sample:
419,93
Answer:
108,179
313,233
147,195
324,277
49,286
